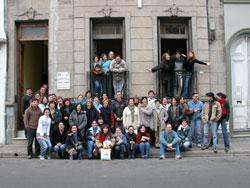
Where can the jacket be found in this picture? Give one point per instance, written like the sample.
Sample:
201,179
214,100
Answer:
57,117
70,143
79,119
44,124
140,135
58,137
175,121
66,111
148,117
184,133
97,75
127,118
92,114
216,112
118,109
25,103
163,117
131,137
169,138
224,104
166,67
90,133
118,69
108,116
31,117
188,64
124,139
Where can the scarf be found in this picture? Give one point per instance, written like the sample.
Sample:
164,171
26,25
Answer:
222,106
132,110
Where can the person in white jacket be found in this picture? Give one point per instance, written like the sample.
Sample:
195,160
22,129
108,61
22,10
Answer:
42,134
131,116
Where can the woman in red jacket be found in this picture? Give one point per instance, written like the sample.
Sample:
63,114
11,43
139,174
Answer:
143,139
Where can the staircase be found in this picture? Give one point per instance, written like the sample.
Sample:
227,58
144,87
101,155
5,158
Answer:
20,138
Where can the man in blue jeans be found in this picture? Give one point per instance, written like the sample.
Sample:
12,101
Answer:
195,106
211,114
169,141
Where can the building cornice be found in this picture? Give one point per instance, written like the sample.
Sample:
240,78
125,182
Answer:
236,1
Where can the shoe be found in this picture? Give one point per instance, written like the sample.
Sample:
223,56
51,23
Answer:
215,150
133,157
199,145
191,145
30,157
226,150
90,158
162,157
48,157
204,147
178,157
42,158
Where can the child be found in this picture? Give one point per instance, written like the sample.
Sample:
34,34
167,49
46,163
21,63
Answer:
184,133
97,74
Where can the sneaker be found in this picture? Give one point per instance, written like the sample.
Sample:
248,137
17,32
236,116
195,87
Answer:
162,157
29,157
178,157
226,150
42,158
48,157
199,145
204,147
215,150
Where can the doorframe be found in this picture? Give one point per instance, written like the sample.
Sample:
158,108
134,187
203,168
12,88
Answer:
228,72
19,55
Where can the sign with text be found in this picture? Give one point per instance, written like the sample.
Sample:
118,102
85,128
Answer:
63,80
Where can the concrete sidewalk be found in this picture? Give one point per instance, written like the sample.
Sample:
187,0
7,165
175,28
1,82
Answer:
237,149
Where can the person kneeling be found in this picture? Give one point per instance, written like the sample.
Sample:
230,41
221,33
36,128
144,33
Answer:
120,143
74,143
131,145
169,141
91,139
184,133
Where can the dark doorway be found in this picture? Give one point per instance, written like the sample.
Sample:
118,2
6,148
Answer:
106,45
173,45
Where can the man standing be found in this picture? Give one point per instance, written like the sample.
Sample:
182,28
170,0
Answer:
25,103
224,120
31,117
118,107
118,67
169,140
195,107
211,114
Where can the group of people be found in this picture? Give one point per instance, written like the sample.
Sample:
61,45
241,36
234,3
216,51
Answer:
68,126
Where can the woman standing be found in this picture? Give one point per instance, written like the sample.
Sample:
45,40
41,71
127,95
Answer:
79,118
188,70
107,113
106,81
143,139
74,143
175,114
131,116
66,110
43,134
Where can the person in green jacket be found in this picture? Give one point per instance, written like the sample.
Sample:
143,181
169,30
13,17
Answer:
169,141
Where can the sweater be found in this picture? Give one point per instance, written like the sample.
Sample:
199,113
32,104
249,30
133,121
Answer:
118,69
105,65
148,117
169,138
127,118
31,117
189,64
184,133
140,135
108,116
43,125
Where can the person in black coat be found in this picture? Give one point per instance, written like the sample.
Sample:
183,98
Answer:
60,136
25,103
92,113
166,66
131,144
118,106
66,110
107,113
176,113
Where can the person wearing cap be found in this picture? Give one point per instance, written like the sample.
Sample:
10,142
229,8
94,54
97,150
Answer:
224,120
211,114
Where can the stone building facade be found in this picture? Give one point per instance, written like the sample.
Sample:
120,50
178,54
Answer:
69,32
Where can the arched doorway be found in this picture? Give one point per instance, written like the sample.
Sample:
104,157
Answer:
240,71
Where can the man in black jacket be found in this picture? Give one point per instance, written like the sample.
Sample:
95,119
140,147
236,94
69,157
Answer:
25,103
118,107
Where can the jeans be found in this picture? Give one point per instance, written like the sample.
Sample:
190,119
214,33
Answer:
31,135
98,87
214,133
186,145
144,149
178,83
45,144
163,149
59,149
131,153
186,77
196,124
91,145
76,152
119,150
118,85
120,124
224,132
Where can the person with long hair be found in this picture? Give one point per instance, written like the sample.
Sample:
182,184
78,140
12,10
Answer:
175,113
43,134
88,97
66,110
74,143
120,143
188,66
143,139
105,135
44,103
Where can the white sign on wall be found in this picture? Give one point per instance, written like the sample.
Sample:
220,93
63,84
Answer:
63,80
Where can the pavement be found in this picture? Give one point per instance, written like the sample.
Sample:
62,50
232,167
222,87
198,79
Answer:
241,148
